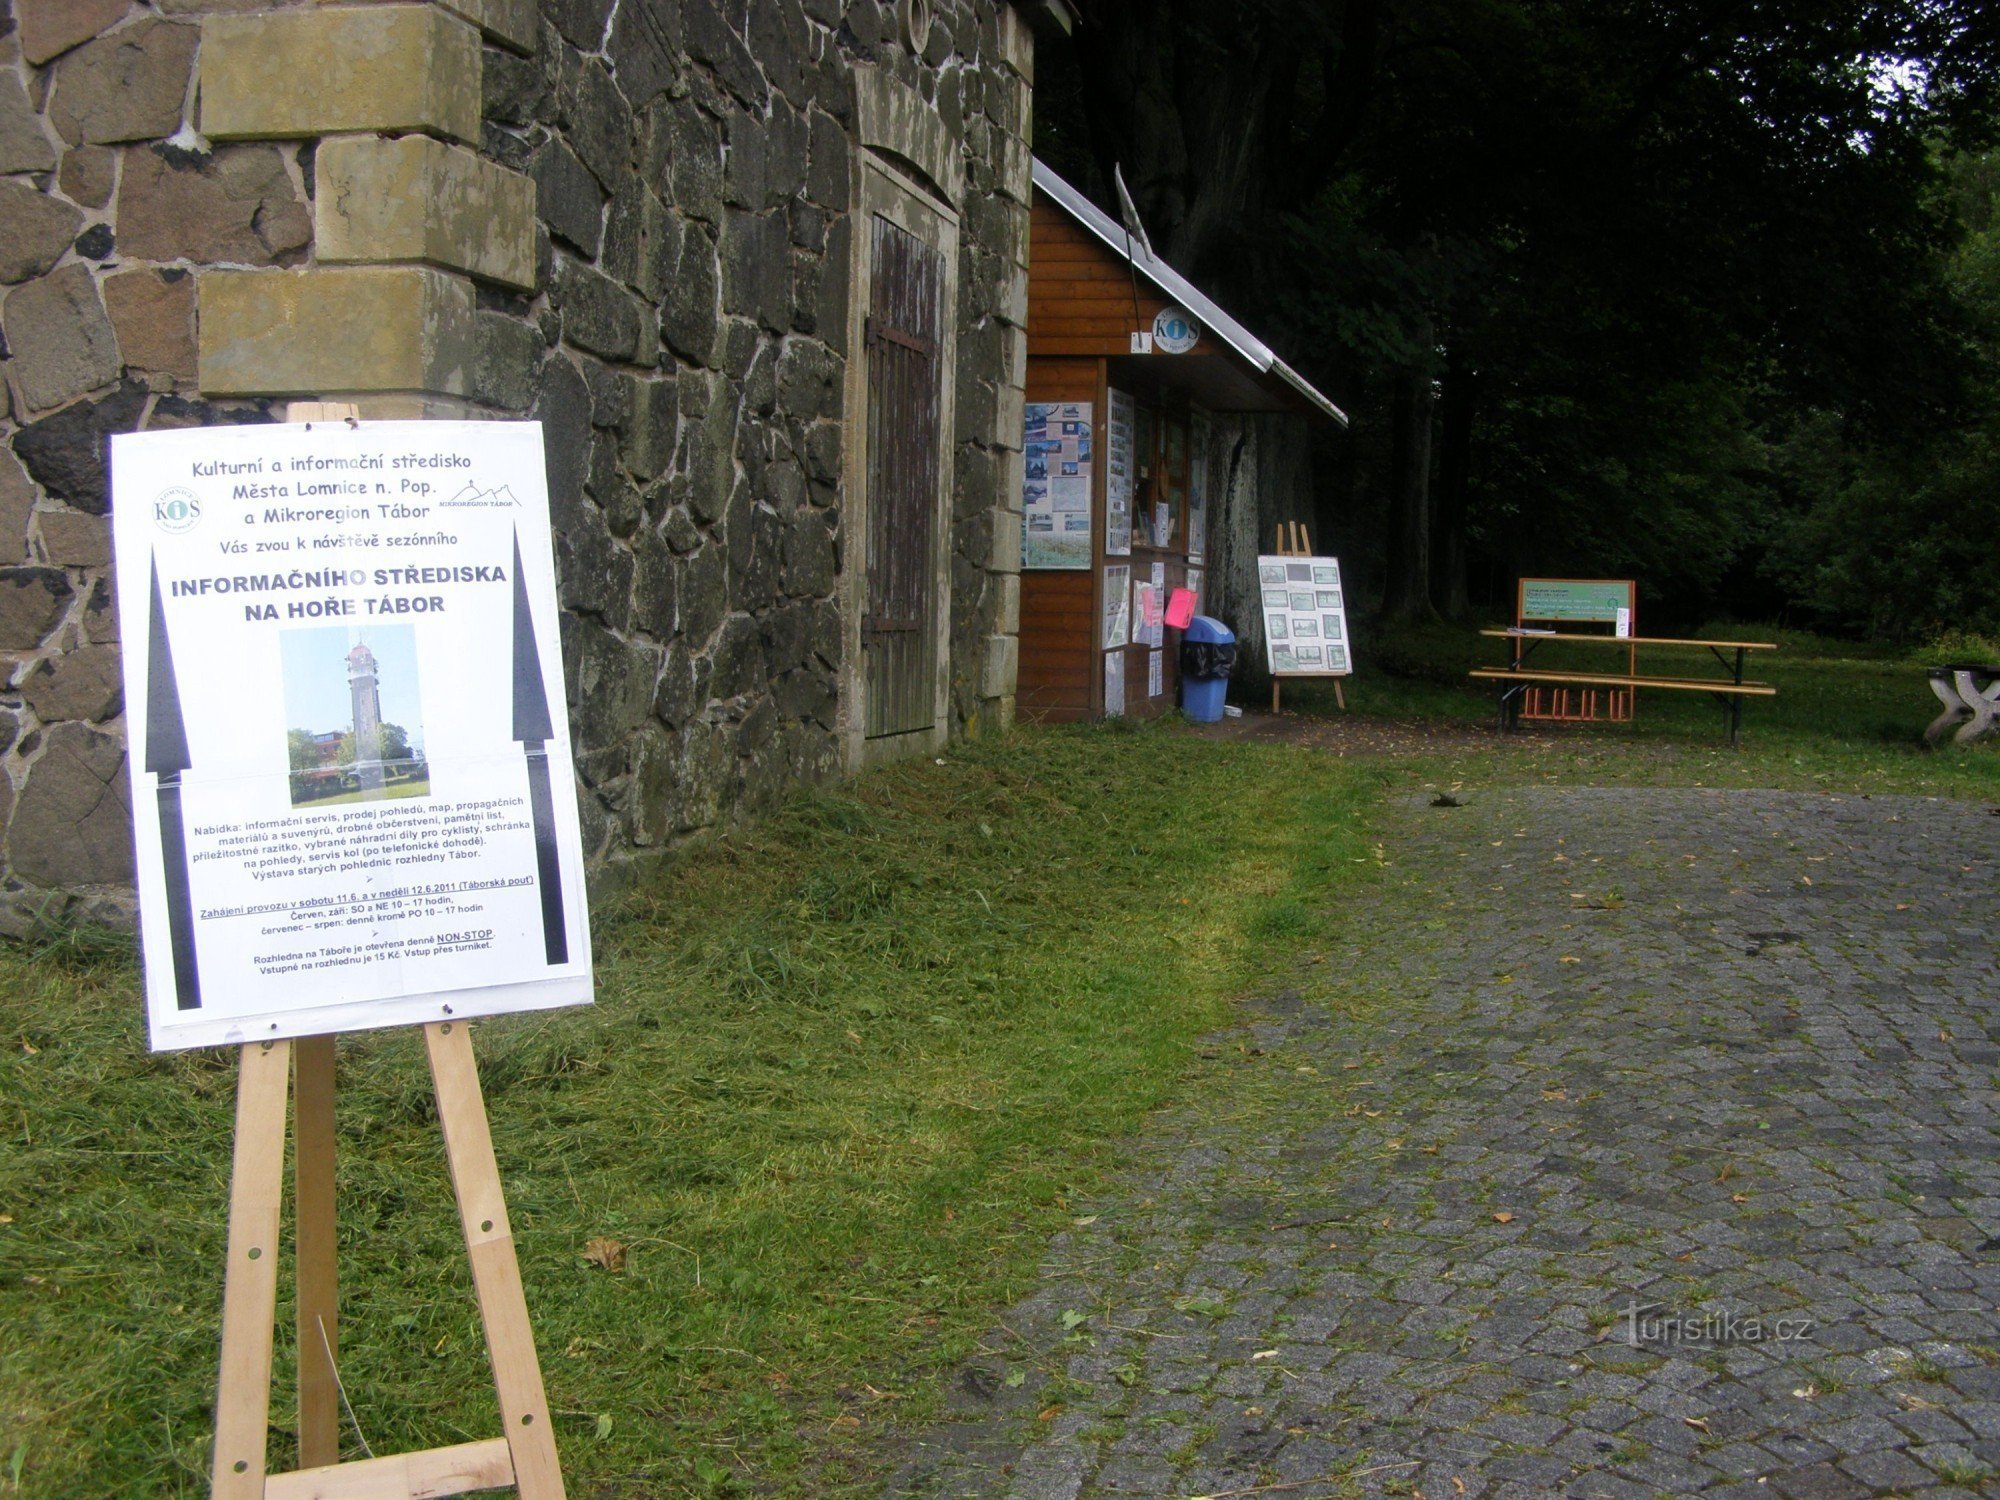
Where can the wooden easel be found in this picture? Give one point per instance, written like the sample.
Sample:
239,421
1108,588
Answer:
1293,542
525,1455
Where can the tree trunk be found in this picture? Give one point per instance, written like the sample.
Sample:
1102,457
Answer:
1448,545
1406,594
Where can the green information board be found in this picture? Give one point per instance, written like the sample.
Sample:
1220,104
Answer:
1597,599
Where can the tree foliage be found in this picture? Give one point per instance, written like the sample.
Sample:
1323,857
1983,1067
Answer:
1586,271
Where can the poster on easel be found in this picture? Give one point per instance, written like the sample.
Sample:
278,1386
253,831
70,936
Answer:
1056,485
1305,616
1120,474
352,789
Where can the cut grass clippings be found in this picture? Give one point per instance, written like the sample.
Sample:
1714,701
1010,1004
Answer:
849,1067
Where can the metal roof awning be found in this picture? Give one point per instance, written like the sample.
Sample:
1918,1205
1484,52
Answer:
1239,339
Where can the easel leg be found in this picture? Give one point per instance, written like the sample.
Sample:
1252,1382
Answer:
1274,696
1339,696
250,1282
496,1274
313,1257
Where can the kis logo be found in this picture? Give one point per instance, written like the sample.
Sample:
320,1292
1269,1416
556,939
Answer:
177,510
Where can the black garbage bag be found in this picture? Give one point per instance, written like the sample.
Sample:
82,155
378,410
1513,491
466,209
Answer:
1206,659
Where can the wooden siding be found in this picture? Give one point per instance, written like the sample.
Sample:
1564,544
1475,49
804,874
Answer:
1080,299
1059,607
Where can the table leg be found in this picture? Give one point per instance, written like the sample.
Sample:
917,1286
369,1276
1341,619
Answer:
1980,703
1955,710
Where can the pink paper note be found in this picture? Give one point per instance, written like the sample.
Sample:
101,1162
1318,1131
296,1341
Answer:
1180,608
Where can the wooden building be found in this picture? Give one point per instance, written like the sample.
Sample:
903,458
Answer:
1128,364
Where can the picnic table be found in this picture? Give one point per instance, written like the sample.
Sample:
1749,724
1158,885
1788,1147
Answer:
1515,678
1970,693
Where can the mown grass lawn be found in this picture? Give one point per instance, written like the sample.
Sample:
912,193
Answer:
1848,716
848,1069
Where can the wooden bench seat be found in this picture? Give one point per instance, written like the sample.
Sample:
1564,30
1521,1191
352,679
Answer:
1607,679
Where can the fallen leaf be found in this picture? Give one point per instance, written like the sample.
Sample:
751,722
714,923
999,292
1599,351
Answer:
1503,1217
605,1253
1944,1034
1074,1319
1086,1219
603,1426
1015,1379
1049,1413
1430,1151
1699,1424
1569,958
1739,1197
1457,1486
1265,1354
846,1422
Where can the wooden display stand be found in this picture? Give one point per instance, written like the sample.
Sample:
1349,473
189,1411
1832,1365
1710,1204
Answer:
1293,542
525,1455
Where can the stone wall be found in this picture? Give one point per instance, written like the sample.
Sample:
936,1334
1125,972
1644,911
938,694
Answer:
630,219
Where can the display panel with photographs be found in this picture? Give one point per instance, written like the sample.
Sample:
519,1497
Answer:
1305,616
1055,495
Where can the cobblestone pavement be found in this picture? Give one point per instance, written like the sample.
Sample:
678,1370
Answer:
1685,1052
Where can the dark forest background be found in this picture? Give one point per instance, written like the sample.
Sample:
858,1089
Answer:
1705,294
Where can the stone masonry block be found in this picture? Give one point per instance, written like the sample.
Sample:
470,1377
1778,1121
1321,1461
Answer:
1017,43
509,22
359,328
1003,664
1009,423
1010,604
128,85
415,198
63,343
1006,557
321,72
52,27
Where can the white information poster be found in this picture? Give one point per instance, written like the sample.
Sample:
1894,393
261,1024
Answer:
1114,683
1120,436
1156,673
353,800
1149,608
1305,617
1194,587
1117,605
1055,496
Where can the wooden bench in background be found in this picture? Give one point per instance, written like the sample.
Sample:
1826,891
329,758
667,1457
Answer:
1729,692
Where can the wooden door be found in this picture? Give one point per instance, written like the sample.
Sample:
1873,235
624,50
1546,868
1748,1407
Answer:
899,627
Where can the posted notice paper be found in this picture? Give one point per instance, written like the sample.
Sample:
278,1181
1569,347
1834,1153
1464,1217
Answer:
352,792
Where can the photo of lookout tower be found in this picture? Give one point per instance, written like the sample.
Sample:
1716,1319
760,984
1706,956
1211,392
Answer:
356,723
367,694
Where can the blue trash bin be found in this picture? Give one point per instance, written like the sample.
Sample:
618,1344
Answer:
1208,655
